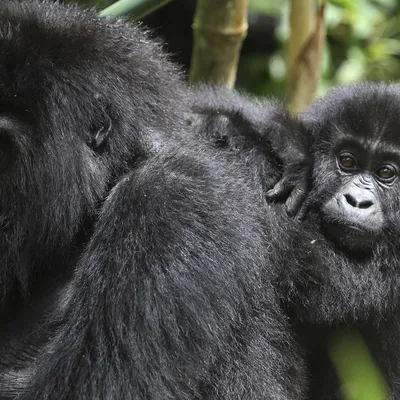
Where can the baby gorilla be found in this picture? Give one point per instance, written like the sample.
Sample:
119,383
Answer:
355,201
133,255
340,266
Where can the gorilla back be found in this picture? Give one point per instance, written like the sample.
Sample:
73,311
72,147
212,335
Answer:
132,257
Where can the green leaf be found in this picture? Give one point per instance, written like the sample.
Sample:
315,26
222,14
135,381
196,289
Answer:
360,377
139,8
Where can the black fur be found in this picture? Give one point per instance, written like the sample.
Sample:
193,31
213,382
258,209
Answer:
134,259
262,135
327,279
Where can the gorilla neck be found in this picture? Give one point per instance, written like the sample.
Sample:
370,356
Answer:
324,284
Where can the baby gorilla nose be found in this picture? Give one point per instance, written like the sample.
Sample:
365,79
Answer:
358,207
360,200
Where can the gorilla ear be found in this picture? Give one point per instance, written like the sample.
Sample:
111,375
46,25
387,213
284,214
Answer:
100,131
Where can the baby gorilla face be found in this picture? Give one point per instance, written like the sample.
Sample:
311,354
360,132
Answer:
357,163
353,216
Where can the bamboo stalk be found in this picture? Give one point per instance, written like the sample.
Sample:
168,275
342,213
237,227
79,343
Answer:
305,50
220,27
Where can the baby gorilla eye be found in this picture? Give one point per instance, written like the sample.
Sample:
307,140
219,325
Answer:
347,161
386,173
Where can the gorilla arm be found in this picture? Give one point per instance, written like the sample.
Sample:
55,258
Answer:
253,126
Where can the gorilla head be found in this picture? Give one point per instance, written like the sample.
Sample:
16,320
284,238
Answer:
67,95
357,159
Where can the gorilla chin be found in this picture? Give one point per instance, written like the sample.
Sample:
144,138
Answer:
349,238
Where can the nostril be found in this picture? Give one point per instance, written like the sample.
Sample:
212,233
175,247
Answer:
351,200
356,203
365,204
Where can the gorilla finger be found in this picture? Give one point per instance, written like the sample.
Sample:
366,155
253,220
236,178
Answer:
295,201
302,212
282,188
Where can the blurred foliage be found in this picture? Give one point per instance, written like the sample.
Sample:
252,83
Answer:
359,374
363,43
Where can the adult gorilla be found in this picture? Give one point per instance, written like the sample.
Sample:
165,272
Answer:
133,255
340,267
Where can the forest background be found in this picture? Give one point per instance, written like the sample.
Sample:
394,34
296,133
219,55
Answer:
362,42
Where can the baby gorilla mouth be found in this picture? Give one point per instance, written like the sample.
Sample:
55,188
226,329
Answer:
350,222
352,236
